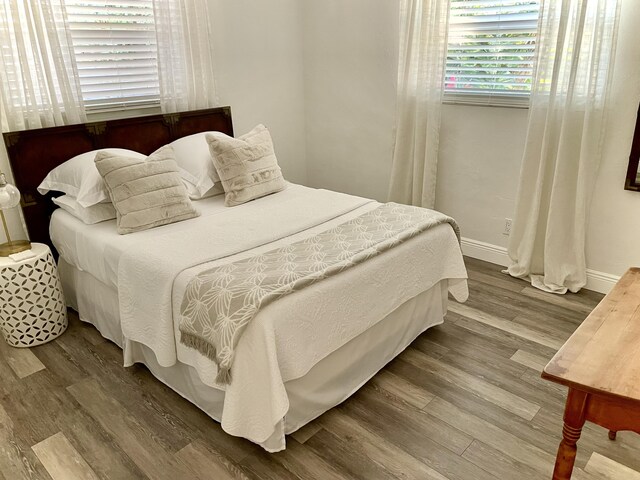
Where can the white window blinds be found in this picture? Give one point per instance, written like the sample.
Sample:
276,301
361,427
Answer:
491,50
115,50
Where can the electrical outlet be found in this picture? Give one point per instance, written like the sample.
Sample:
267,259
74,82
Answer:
507,226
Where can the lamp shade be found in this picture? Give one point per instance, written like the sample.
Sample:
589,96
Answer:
16,238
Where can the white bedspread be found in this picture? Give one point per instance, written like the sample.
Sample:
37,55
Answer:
147,270
288,337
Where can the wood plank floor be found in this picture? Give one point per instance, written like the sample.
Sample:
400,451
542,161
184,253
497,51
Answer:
465,401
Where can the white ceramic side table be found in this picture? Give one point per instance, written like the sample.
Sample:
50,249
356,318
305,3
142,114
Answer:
32,307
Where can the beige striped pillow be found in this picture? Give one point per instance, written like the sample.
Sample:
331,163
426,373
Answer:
247,165
146,193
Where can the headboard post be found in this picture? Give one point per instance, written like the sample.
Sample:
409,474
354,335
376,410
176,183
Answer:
34,153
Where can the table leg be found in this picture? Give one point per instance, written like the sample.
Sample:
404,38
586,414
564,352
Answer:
574,417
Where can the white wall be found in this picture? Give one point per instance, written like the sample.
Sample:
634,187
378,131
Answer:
350,63
350,59
350,53
259,72
614,230
480,155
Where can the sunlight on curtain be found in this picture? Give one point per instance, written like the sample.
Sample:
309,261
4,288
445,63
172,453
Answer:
423,52
567,118
185,54
39,84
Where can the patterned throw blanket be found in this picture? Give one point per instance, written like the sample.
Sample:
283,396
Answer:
219,303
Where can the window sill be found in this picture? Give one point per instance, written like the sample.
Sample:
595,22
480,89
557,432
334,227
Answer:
122,111
500,101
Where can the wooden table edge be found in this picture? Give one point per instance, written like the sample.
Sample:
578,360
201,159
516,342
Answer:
585,388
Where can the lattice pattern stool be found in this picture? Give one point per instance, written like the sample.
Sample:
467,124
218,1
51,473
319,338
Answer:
32,307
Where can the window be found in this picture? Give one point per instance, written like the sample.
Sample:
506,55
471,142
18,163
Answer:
116,53
491,51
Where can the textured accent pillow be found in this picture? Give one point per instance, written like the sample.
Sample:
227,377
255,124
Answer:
247,165
146,193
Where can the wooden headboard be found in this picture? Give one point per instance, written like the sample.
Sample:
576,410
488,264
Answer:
34,153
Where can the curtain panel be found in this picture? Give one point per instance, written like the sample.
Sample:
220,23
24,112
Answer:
39,81
423,53
39,84
185,54
566,127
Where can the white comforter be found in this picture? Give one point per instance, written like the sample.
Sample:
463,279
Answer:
288,337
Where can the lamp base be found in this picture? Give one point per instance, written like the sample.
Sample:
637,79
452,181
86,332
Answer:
16,246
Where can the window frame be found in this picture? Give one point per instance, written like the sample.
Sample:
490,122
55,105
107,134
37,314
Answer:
106,105
492,98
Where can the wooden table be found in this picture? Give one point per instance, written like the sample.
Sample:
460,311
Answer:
600,364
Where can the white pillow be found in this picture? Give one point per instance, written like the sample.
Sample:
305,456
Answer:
97,213
196,168
79,177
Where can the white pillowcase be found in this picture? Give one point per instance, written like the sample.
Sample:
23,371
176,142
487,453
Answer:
196,168
79,177
97,213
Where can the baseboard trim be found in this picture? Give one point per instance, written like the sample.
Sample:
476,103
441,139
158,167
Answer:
597,281
485,251
600,281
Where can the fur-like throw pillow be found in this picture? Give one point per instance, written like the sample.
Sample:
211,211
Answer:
146,193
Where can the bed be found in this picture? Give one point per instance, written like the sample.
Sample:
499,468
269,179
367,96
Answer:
302,354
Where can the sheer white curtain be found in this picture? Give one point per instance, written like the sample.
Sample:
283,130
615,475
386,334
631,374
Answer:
423,53
185,54
575,53
39,85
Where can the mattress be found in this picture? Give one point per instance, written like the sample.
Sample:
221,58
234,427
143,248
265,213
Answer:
150,271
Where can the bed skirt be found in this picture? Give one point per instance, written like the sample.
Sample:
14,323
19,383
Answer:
331,381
